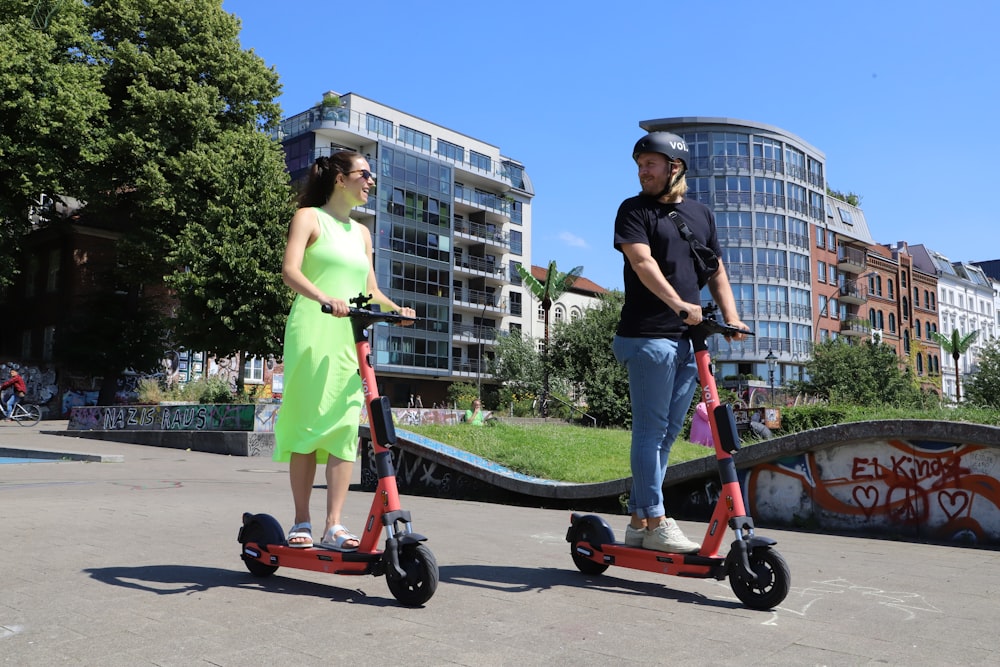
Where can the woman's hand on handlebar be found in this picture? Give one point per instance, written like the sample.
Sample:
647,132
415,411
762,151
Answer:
337,307
407,313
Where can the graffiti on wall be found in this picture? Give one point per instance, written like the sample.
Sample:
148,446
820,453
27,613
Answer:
936,490
212,417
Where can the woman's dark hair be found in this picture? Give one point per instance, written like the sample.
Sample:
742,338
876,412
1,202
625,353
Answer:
323,176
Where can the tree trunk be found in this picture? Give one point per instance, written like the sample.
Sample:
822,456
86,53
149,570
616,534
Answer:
958,383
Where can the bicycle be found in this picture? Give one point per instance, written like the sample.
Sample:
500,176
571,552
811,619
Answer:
25,414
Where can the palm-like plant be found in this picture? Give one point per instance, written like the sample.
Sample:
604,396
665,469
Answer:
547,292
956,345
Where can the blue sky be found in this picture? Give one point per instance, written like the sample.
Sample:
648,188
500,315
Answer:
902,97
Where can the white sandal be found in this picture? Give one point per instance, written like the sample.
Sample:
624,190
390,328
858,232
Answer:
300,531
331,540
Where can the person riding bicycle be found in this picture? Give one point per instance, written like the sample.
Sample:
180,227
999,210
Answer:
671,250
18,390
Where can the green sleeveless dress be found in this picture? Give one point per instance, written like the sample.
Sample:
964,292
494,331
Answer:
321,400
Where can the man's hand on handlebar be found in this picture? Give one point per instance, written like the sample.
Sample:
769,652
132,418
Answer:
736,324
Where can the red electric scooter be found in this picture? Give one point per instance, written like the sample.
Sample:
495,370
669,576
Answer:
757,573
409,566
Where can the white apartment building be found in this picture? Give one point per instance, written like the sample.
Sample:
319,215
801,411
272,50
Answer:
966,304
451,219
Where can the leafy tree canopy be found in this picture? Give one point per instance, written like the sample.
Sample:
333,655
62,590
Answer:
983,389
581,352
865,374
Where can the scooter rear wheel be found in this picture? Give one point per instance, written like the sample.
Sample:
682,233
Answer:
421,579
586,531
262,530
773,582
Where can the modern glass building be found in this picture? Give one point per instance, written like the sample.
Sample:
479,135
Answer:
794,254
451,220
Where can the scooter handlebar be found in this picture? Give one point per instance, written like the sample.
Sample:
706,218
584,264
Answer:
710,326
393,317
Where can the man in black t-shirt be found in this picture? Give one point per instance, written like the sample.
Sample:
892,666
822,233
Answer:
668,243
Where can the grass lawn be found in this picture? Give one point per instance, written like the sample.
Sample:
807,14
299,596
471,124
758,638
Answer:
552,451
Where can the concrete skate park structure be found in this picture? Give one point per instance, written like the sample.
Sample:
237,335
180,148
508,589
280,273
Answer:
917,479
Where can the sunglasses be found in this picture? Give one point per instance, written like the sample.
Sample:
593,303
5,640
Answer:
365,174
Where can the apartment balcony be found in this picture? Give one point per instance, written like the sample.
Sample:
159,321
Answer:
851,260
479,301
487,233
482,267
473,333
470,368
855,327
854,293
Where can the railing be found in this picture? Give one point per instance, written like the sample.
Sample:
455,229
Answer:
477,297
477,366
851,256
477,331
479,264
482,231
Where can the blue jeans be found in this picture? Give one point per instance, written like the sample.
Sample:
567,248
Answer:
11,402
662,378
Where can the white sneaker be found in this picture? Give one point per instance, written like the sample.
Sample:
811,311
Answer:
634,536
669,537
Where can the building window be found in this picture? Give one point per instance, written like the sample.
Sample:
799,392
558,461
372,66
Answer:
48,340
253,370
378,125
845,216
559,314
480,161
821,271
410,137
451,151
52,281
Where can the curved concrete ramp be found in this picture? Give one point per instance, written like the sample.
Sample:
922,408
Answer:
915,478
424,464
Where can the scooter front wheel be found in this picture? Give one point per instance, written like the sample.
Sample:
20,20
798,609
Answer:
421,579
773,579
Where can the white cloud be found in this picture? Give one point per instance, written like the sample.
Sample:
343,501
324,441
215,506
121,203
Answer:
572,240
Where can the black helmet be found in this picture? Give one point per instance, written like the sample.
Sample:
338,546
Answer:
663,142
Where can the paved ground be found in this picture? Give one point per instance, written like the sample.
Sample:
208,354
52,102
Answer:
135,562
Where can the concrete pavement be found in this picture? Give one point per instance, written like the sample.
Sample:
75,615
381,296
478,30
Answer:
134,561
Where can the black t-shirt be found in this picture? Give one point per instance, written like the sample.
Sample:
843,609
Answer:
642,219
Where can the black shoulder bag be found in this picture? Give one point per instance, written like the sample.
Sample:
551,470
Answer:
706,262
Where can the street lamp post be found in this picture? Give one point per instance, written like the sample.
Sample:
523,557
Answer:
772,363
479,362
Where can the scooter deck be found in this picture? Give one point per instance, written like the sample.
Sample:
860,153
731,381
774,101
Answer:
649,560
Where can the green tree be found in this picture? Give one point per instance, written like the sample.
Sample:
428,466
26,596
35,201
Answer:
547,292
515,364
983,388
865,374
956,345
52,103
177,86
231,296
581,352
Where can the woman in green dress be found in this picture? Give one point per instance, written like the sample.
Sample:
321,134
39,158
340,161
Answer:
328,260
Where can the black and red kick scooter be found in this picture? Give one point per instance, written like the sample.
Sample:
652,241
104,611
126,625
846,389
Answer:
408,565
757,573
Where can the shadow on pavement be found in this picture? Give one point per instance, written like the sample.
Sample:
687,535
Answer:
187,579
531,579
